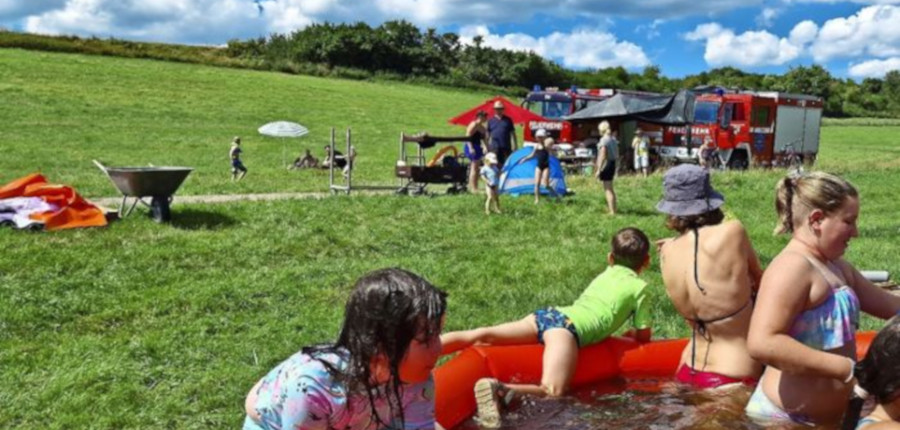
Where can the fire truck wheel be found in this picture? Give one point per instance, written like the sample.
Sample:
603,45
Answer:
739,161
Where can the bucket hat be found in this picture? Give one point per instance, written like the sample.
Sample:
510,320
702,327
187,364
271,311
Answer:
687,191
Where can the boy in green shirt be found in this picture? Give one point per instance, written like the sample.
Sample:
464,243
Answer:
607,303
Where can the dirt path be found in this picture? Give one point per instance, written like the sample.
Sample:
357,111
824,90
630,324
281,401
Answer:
113,202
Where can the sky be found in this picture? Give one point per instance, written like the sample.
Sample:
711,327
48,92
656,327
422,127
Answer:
851,39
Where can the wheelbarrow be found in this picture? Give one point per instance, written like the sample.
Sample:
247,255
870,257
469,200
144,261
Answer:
157,183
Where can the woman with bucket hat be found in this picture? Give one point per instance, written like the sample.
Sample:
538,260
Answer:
711,273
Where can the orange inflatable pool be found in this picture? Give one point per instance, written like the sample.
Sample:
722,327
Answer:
614,357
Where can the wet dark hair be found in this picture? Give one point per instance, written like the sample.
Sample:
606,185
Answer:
682,224
386,311
879,372
630,247
481,113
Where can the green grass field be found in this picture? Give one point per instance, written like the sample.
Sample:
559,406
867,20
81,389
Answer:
141,325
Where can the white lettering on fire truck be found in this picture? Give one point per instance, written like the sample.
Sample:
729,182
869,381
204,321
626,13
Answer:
546,125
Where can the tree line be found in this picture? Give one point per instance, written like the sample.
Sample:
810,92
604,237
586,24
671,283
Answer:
398,50
401,49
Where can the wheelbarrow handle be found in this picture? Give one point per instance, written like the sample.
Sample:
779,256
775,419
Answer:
100,166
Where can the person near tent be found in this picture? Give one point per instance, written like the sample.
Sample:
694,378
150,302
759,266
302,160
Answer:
502,133
238,171
716,297
641,152
541,153
491,182
613,298
474,149
605,169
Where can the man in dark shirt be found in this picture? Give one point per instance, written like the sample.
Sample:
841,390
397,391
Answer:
502,134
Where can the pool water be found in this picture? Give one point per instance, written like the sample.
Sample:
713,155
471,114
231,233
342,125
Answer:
639,404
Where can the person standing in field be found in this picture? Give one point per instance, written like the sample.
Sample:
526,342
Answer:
238,171
641,152
474,149
605,169
503,134
491,181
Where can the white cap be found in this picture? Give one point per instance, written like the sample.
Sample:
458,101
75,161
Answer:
540,133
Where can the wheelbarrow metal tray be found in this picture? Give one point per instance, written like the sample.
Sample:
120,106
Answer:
148,181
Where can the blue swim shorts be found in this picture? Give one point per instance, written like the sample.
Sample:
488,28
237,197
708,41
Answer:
550,318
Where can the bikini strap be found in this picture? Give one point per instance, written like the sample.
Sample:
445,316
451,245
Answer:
822,271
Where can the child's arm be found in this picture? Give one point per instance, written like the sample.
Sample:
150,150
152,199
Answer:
641,335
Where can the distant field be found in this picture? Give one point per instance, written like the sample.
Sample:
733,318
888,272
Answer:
60,111
141,325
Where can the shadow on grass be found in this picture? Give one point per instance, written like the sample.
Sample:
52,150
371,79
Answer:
192,219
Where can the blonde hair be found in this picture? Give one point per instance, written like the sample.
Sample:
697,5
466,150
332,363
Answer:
603,127
548,141
797,196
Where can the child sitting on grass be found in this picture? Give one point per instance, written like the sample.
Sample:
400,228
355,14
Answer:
376,376
608,302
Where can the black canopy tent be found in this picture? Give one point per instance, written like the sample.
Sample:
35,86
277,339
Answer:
665,109
670,109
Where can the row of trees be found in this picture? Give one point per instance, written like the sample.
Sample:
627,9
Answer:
400,49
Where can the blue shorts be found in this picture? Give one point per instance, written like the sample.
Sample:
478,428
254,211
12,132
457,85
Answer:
237,165
550,318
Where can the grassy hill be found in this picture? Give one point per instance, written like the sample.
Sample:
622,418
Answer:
60,111
141,325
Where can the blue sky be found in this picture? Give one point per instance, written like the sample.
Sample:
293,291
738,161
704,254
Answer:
856,38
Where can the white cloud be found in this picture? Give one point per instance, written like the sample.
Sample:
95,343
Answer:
748,49
767,17
580,49
874,68
215,21
651,31
874,30
804,32
187,21
12,9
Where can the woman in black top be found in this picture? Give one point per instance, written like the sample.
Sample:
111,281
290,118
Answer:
541,154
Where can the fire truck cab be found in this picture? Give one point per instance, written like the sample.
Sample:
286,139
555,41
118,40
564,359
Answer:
748,128
553,104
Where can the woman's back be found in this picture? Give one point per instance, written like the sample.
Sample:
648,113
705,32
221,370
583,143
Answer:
719,309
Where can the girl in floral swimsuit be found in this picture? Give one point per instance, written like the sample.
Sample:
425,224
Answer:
806,314
376,376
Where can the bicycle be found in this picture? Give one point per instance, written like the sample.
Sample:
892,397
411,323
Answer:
793,159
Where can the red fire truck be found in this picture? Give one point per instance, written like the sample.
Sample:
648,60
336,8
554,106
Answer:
553,105
748,128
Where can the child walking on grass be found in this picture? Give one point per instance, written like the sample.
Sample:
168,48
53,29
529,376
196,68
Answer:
491,177
238,171
376,376
609,301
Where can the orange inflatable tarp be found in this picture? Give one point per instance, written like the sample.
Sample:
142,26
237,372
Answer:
74,211
614,357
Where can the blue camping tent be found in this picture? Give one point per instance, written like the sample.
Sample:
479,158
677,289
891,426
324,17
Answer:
518,177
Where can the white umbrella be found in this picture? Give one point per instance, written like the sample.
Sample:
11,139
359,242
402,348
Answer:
283,129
